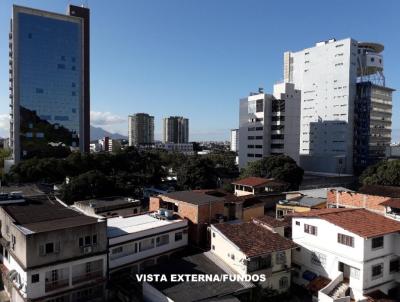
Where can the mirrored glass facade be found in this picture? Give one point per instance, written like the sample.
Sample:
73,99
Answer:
48,82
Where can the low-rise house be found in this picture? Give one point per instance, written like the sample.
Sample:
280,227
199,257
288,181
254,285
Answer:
384,200
250,248
109,207
136,242
298,205
195,290
198,208
358,250
257,185
52,253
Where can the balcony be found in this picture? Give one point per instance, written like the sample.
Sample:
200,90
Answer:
57,284
92,276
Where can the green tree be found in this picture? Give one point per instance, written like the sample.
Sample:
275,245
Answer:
280,167
91,184
197,173
385,172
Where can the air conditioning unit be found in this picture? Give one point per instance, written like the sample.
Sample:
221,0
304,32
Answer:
87,249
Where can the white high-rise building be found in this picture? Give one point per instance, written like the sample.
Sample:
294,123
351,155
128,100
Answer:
234,140
269,124
329,75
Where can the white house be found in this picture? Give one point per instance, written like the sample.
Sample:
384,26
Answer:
250,248
136,242
52,252
356,249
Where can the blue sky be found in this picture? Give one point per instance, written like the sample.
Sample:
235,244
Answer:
197,58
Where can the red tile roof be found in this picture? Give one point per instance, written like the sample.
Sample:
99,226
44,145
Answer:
256,182
393,203
273,222
254,240
358,221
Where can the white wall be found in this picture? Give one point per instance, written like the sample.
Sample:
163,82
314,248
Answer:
36,290
360,257
133,257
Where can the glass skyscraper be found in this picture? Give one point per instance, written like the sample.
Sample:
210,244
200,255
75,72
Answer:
49,81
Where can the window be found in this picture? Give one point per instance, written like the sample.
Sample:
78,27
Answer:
88,240
61,66
54,275
283,283
377,271
39,90
297,222
35,278
178,236
377,243
394,265
280,258
146,244
94,240
80,242
88,267
346,240
354,273
117,250
213,247
259,105
233,256
162,240
318,259
13,242
310,229
213,234
49,248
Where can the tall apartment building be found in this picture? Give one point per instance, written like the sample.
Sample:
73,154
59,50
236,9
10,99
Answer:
269,124
140,129
176,130
52,253
345,106
235,140
49,80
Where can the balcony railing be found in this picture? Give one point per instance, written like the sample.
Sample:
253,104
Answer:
57,284
87,277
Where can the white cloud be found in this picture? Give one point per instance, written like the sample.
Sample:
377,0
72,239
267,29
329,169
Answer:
4,125
98,118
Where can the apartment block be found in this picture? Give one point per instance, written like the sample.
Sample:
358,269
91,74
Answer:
269,124
356,250
51,252
176,130
140,129
345,104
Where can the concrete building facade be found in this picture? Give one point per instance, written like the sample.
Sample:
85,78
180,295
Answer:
140,129
176,130
269,124
329,76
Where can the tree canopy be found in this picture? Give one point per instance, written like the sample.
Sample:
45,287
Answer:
280,167
385,172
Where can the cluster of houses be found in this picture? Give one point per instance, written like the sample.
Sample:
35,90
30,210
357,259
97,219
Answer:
337,244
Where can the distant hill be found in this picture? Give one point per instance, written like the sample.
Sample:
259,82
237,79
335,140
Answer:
98,132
